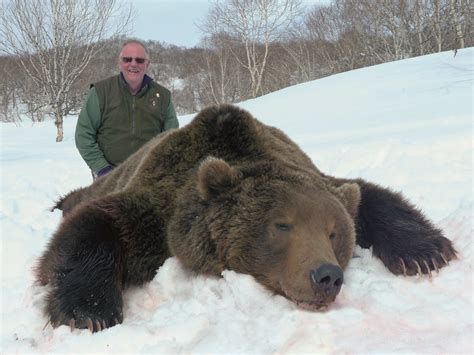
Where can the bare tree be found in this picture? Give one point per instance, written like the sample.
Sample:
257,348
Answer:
9,90
54,41
435,19
255,24
456,12
221,69
303,50
346,39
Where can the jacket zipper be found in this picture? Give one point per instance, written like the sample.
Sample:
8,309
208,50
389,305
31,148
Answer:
133,113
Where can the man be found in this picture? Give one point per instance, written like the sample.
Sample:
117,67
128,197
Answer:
123,112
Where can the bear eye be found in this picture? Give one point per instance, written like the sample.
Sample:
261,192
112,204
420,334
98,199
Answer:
332,236
284,227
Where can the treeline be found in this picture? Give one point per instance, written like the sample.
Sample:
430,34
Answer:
232,65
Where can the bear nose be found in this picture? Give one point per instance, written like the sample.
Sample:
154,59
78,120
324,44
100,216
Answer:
327,278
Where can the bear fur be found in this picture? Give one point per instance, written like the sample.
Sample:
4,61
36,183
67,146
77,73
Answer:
225,192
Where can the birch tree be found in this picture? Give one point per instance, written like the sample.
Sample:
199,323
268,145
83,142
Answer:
255,24
434,21
55,40
221,72
456,12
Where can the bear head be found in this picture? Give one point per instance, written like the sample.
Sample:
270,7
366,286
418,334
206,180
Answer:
295,237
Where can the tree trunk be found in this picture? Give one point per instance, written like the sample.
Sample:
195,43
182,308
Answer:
437,25
58,121
457,25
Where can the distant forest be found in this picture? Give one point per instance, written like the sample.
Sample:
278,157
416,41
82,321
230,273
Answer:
282,43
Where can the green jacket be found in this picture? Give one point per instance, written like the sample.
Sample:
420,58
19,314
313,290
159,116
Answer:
113,123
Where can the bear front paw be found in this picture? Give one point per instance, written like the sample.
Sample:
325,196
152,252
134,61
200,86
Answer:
79,308
418,257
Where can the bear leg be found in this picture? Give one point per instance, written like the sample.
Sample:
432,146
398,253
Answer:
86,274
401,236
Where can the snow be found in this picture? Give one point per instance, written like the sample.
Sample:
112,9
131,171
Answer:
405,124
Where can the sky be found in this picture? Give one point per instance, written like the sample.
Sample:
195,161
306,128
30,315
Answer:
175,21
405,124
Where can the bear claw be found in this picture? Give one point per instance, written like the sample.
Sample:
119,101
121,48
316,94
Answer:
435,265
428,268
444,258
404,268
89,324
418,268
72,324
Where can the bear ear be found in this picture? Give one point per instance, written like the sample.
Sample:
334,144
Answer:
351,197
216,176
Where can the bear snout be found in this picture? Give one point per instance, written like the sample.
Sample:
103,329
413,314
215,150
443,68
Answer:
327,279
316,288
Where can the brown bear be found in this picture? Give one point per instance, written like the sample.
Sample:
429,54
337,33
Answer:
225,192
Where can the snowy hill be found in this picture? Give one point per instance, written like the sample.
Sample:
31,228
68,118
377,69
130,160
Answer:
406,124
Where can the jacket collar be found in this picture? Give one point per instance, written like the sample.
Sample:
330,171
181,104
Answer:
146,80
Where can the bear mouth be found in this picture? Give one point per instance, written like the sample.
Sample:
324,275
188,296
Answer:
315,304
311,305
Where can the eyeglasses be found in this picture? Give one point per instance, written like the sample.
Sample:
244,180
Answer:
129,60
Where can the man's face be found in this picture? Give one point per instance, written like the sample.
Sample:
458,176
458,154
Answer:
133,71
